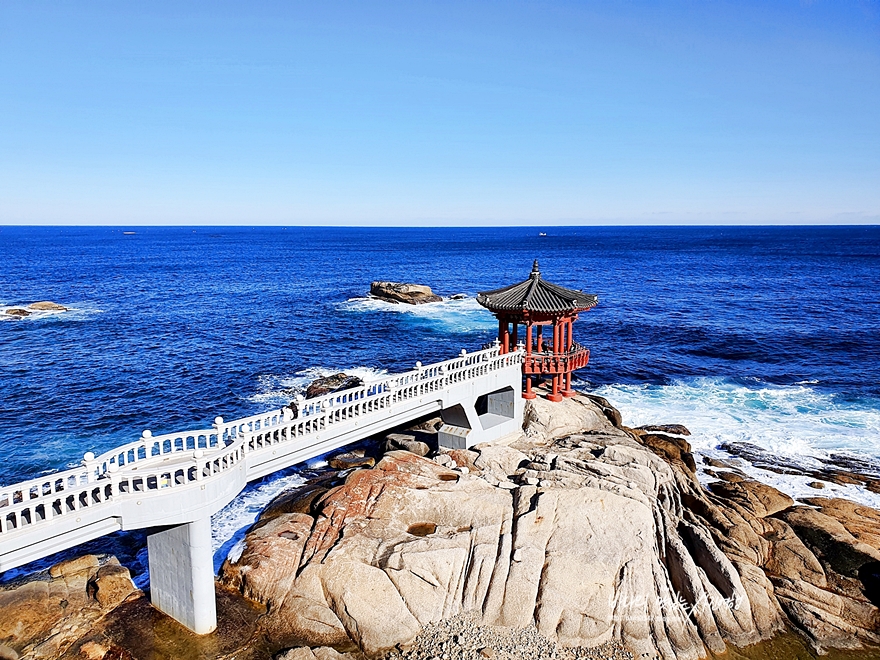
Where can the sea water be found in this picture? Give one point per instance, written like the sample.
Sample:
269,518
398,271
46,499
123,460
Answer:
765,335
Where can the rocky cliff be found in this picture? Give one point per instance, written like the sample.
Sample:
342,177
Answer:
591,532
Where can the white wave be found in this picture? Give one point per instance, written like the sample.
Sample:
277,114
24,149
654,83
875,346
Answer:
796,422
276,391
229,525
458,315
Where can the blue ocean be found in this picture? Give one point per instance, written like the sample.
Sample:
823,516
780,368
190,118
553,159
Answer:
763,335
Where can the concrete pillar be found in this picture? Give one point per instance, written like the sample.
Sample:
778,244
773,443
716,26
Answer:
182,575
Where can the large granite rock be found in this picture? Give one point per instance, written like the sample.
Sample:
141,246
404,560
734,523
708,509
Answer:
398,292
332,383
42,617
588,531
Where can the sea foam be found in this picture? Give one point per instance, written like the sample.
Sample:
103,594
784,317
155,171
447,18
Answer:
798,422
458,315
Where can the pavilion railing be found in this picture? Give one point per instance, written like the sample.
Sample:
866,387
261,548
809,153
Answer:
549,363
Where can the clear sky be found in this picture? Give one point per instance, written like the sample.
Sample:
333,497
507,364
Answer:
439,113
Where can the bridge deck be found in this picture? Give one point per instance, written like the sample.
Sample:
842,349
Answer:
178,478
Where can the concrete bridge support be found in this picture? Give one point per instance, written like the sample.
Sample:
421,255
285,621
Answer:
182,575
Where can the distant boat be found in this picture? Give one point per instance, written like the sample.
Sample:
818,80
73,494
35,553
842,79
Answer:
542,234
128,233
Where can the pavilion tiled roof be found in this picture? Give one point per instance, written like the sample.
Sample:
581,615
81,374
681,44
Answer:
536,295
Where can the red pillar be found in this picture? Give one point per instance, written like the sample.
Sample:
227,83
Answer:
513,339
540,346
504,335
567,391
557,335
528,394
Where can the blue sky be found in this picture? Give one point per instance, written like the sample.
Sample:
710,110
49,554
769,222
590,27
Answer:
439,113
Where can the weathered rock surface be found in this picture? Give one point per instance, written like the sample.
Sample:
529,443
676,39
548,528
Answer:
841,469
42,617
398,292
675,429
17,312
334,383
47,305
350,459
591,533
407,442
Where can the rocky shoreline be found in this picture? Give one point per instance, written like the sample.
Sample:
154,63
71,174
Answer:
579,538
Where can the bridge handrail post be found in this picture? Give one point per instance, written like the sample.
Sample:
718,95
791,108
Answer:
91,466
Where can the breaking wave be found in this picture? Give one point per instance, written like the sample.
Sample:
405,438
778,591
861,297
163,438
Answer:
798,422
452,315
276,391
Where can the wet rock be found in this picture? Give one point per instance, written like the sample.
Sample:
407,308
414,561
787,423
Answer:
330,384
17,312
47,305
398,292
818,485
674,429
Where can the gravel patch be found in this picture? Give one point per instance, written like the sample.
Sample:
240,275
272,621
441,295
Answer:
461,638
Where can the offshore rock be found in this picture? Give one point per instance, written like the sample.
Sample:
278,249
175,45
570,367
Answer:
330,384
675,429
398,292
17,312
47,305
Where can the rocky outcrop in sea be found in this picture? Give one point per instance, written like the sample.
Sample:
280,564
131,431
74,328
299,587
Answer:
398,292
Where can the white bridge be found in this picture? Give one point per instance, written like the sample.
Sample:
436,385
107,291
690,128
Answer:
176,481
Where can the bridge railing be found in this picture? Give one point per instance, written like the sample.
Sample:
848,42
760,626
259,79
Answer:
140,467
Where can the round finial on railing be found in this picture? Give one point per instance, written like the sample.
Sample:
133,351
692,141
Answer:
299,398
198,453
463,352
147,434
88,456
113,467
218,420
418,365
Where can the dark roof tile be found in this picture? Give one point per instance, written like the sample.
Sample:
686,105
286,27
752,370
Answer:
536,295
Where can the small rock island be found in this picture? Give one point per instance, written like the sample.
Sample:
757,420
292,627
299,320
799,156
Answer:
398,292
